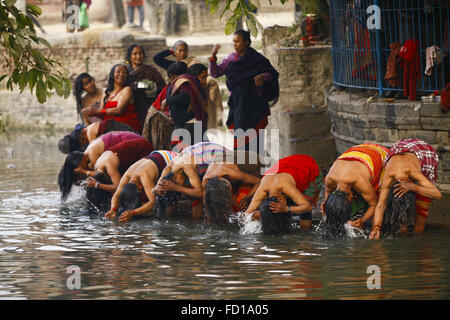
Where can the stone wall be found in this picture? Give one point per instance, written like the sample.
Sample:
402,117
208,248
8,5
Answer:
94,51
24,112
355,121
301,113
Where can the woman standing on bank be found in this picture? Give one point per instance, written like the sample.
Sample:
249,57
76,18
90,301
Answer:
180,51
145,80
253,86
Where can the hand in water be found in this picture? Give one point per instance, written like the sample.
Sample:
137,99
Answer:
322,207
256,215
126,216
244,203
111,214
375,234
90,182
358,223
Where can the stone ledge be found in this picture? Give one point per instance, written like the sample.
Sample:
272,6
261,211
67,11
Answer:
384,124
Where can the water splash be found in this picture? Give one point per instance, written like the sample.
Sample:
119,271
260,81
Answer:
354,232
247,225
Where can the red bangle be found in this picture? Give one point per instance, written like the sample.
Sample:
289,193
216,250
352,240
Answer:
133,212
114,209
213,59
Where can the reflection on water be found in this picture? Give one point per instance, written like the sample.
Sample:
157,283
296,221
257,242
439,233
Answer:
150,259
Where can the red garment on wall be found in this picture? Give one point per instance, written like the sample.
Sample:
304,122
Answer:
445,99
410,52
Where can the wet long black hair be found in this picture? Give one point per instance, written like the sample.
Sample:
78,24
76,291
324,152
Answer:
338,211
110,83
169,198
78,89
218,200
130,198
274,223
66,175
399,211
98,201
71,142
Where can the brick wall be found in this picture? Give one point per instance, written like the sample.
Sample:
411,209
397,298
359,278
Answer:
301,113
355,121
78,52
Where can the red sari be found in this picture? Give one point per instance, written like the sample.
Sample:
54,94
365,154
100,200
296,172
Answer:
129,116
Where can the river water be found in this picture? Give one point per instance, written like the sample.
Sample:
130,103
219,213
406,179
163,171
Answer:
45,248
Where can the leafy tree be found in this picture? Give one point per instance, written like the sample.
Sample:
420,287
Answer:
19,40
246,10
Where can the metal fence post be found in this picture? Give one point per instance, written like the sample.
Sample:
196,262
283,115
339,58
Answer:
378,50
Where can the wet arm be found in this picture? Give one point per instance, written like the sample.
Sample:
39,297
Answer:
258,198
380,208
368,193
148,185
115,200
114,174
302,203
425,187
196,191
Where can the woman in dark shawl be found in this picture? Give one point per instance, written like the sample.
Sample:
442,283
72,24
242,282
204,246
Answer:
145,80
253,86
187,103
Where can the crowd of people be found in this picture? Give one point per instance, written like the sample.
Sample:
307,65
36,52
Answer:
140,150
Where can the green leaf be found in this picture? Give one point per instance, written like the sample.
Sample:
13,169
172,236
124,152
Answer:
230,26
2,77
32,78
45,42
251,6
251,24
41,92
34,9
227,7
23,80
10,3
